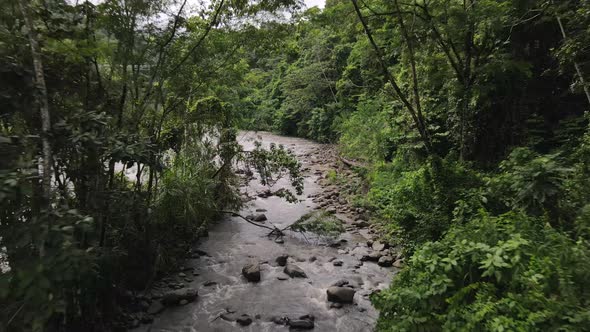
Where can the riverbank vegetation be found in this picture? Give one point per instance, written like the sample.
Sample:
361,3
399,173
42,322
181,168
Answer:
469,118
472,119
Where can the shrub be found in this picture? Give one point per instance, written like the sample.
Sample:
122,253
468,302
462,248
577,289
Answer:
417,205
506,273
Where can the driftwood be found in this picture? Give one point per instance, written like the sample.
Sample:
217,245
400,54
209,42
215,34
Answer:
352,163
274,230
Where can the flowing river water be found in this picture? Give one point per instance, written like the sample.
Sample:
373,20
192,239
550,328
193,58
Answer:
232,243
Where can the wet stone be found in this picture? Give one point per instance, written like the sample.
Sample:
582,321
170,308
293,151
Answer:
155,308
380,246
176,297
244,320
260,217
294,271
282,260
302,324
340,294
147,319
251,272
279,320
372,257
385,261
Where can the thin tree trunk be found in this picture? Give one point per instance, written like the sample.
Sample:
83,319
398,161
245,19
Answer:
418,120
41,98
42,101
576,66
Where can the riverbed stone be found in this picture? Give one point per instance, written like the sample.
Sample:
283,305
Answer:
340,294
372,257
282,259
385,261
360,223
229,316
244,320
251,272
341,283
301,324
155,308
380,246
294,271
260,217
279,320
175,297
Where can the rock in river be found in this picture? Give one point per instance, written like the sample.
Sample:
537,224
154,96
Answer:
244,320
251,272
259,217
302,324
282,260
379,246
372,257
340,294
385,261
155,308
294,271
175,297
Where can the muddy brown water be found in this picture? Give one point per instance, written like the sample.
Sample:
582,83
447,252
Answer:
232,243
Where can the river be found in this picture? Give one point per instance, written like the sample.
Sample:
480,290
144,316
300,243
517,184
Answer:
232,243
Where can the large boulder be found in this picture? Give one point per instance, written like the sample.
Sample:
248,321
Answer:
251,272
340,294
294,271
174,297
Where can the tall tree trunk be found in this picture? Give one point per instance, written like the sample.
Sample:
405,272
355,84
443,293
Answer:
416,117
42,100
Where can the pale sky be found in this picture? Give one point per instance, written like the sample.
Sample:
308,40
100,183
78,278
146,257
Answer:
311,3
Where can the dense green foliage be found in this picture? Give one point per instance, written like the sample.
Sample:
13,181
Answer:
505,273
471,118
